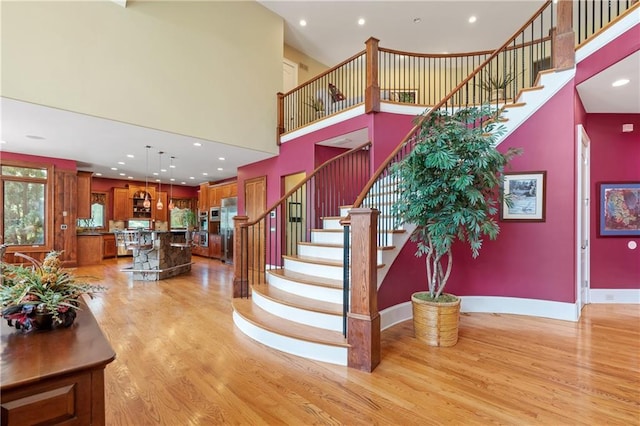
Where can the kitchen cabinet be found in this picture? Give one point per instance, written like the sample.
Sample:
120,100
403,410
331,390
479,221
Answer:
203,197
215,246
84,195
214,196
121,204
89,249
109,248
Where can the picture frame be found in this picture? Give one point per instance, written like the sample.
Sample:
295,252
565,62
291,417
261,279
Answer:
619,209
404,96
527,192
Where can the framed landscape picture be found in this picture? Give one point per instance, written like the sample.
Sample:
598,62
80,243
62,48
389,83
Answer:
526,190
619,205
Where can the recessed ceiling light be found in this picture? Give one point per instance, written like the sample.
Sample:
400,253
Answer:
129,177
121,163
157,180
303,23
122,174
361,21
163,170
417,20
3,141
220,169
130,155
620,82
205,174
114,168
172,179
191,177
36,137
472,19
197,144
155,173
221,158
184,183
173,166
98,174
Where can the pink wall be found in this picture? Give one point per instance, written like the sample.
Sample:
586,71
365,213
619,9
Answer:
528,260
296,156
388,131
615,157
57,162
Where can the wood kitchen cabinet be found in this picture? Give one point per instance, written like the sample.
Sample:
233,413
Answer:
214,196
84,195
109,248
203,197
215,246
121,204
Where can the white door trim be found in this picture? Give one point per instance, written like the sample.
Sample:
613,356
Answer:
583,246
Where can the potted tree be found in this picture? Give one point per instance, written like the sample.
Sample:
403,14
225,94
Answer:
498,84
449,188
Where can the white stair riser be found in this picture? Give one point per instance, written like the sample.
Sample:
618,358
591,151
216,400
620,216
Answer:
331,224
324,271
325,353
323,252
332,295
327,237
329,253
314,319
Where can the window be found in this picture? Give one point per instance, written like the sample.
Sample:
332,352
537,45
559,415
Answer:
98,212
25,200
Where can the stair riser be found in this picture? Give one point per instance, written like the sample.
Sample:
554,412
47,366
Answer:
333,295
324,271
314,319
327,237
329,253
331,224
317,351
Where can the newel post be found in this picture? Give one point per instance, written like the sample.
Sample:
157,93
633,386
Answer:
563,37
363,319
280,128
372,91
240,266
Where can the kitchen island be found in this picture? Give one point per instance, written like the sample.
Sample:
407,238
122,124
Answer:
158,254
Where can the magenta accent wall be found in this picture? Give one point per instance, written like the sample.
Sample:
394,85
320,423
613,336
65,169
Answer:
615,157
388,130
296,156
616,50
106,185
57,162
528,260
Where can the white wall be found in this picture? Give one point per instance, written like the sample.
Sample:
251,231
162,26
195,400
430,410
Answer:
203,69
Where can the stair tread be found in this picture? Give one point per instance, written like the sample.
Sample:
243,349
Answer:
296,301
307,279
263,319
306,243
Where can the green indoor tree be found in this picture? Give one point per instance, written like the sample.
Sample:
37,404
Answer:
450,188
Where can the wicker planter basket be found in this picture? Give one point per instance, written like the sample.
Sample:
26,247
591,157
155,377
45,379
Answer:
436,324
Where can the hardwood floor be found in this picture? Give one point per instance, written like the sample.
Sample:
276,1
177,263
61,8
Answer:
181,361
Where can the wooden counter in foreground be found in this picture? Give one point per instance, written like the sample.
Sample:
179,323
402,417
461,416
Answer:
54,377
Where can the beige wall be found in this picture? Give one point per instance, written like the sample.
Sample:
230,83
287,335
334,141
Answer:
203,69
313,67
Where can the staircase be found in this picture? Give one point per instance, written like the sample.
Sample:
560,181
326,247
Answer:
299,310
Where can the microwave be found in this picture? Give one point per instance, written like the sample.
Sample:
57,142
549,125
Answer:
214,216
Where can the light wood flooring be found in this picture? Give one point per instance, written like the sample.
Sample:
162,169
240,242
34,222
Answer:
181,361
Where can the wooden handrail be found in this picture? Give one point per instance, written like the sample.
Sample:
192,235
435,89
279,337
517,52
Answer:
329,71
421,120
303,182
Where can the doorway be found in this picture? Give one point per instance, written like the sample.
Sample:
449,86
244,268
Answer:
295,218
583,145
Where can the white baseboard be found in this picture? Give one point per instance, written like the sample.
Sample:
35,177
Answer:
491,304
607,295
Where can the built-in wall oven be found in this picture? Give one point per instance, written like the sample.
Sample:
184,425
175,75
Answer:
203,240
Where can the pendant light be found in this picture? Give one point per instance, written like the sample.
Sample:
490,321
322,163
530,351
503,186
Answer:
146,203
159,206
171,167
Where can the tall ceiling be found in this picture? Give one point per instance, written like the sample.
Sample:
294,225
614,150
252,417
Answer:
331,35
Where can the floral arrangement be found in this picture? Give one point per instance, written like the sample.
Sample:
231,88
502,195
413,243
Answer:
42,290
